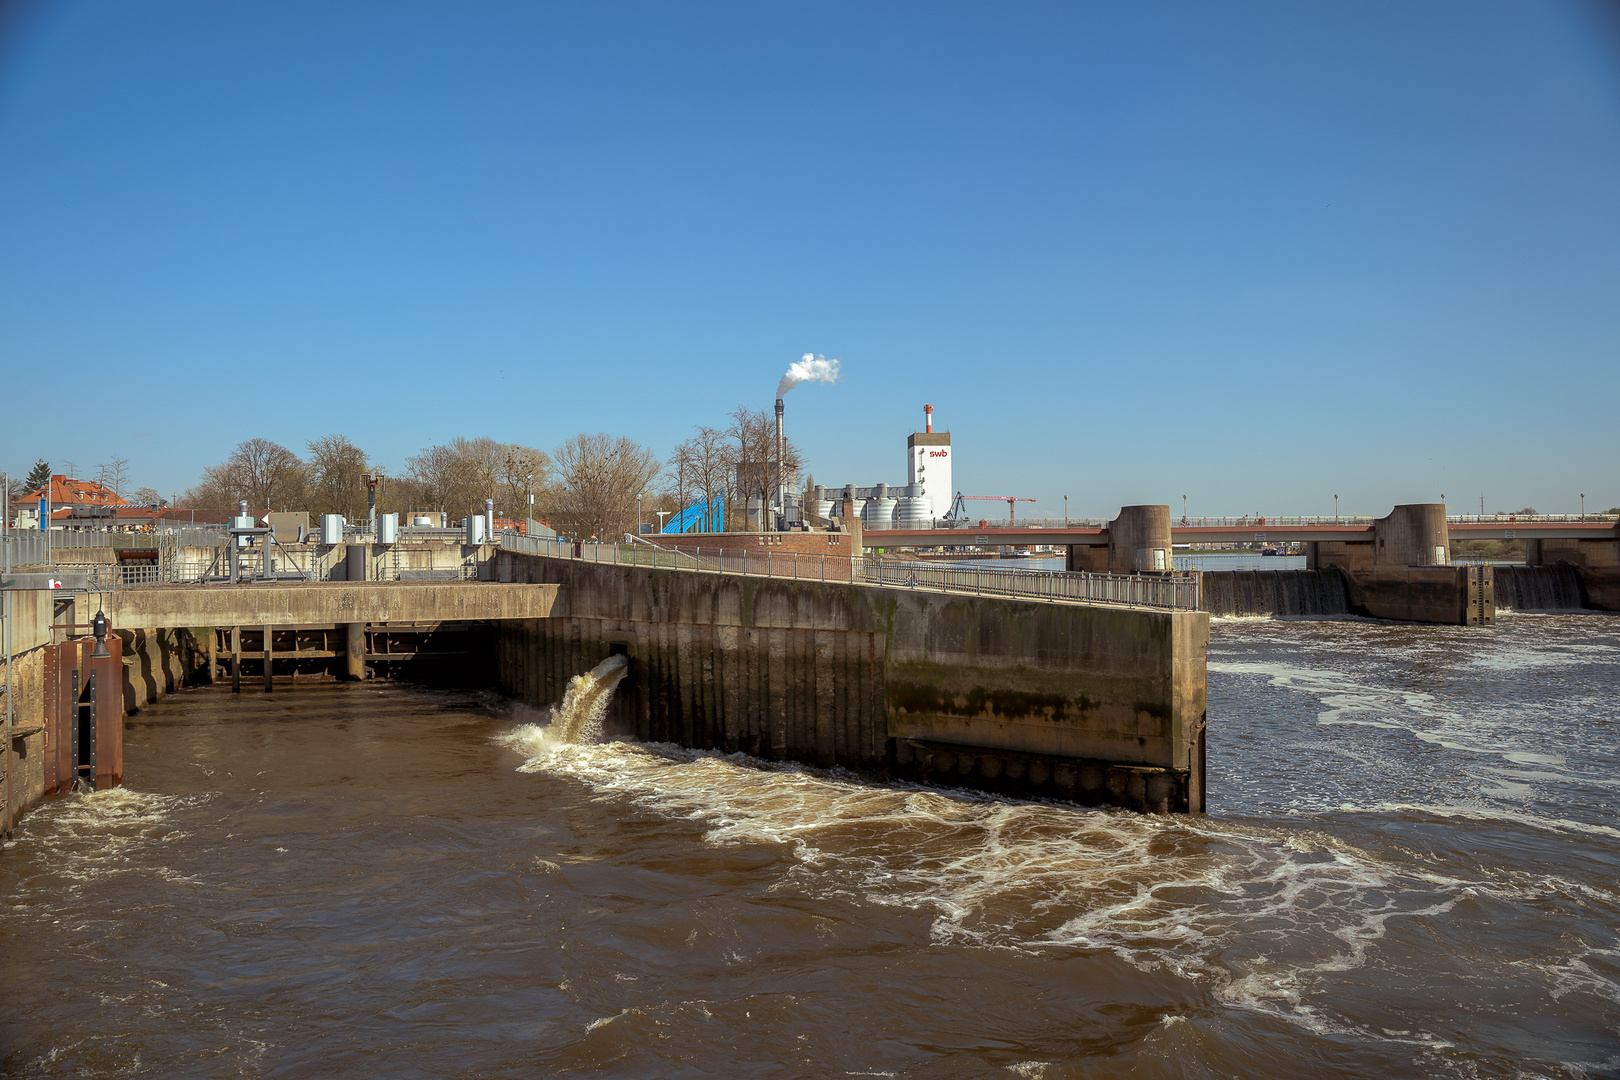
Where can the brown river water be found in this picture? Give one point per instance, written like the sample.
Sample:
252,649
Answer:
1410,870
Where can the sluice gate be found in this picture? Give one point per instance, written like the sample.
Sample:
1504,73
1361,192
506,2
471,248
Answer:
1281,593
1539,588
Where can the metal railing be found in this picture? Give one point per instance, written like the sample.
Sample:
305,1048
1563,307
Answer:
1251,521
1177,591
1170,591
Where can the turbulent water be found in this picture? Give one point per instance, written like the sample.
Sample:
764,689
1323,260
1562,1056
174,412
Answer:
1410,871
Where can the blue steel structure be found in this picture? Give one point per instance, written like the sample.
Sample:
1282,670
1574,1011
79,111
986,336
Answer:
701,516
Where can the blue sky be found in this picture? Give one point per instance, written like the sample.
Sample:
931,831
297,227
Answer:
1253,253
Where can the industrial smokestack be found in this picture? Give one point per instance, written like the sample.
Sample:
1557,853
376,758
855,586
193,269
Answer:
928,418
781,465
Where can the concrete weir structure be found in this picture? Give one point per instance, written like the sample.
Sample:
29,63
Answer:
1095,703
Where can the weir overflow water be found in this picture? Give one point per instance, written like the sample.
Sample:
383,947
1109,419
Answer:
1409,870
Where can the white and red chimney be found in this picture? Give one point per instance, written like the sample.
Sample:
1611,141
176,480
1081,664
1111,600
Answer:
928,418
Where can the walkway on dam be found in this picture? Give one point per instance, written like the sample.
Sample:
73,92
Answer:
1242,531
1167,591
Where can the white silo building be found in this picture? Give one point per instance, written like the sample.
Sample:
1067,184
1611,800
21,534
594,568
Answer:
928,465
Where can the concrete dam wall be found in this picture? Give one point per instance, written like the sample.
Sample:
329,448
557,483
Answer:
1092,703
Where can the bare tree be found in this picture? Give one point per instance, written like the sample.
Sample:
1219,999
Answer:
459,475
113,474
682,473
524,471
266,474
148,497
337,477
713,464
598,479
752,436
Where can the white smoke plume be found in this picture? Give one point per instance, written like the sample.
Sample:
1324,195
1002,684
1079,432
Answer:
810,368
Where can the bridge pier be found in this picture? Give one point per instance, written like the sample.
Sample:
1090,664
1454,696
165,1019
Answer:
1402,570
1136,542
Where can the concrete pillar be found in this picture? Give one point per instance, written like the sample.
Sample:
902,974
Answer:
268,684
1412,535
354,649
1139,540
1532,553
213,655
236,659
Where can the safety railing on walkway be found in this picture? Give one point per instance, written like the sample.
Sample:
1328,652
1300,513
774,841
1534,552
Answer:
1257,521
1178,592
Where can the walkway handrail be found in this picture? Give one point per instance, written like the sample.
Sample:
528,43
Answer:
1169,591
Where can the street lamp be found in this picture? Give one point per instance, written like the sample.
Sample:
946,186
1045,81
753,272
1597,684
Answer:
1335,509
1184,509
1583,506
1065,511
638,513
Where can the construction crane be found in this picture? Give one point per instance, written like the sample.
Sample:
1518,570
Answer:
959,505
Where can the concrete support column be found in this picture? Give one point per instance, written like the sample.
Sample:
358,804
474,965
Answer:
1412,535
1139,540
268,684
1313,555
236,659
1532,553
354,650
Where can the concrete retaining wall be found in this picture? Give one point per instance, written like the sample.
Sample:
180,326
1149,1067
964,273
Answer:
23,755
797,669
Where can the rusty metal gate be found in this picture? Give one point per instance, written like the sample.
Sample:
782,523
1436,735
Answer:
84,717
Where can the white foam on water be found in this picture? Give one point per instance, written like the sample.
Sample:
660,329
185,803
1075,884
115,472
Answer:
1486,813
88,837
1347,700
578,719
1260,915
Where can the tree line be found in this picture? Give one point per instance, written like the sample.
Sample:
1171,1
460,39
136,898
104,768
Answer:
587,486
